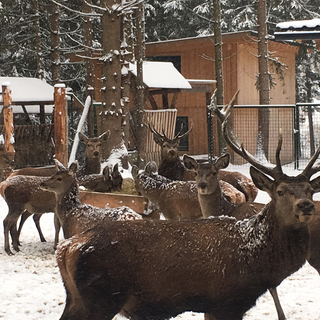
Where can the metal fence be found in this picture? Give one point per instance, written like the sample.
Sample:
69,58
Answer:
255,124
307,128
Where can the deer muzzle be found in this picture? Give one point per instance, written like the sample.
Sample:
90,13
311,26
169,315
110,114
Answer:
306,208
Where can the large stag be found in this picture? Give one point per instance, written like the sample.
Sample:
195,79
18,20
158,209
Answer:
173,168
159,269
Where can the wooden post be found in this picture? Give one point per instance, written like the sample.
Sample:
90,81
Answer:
60,124
8,118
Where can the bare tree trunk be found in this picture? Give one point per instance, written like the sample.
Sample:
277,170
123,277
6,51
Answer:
127,53
89,65
40,66
264,80
139,105
55,43
109,115
218,67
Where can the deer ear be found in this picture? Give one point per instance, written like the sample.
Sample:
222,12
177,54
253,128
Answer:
82,137
222,162
261,180
105,136
190,163
106,171
315,184
116,168
59,165
151,167
134,171
73,168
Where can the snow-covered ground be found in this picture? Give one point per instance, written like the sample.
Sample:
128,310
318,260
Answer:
31,287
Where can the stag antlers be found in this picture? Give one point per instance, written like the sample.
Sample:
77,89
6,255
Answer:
231,138
162,136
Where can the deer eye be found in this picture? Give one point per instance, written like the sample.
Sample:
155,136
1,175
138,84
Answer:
59,179
280,193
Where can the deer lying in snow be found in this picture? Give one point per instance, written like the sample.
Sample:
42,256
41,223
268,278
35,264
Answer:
159,269
173,168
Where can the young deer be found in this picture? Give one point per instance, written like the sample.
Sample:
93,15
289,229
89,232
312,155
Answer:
73,216
218,265
173,168
92,165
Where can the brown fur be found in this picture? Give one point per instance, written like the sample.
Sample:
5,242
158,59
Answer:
156,270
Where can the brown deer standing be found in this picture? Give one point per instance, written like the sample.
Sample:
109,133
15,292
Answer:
92,165
173,168
159,269
74,216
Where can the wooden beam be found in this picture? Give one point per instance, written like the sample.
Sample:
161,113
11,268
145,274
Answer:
152,102
60,124
174,100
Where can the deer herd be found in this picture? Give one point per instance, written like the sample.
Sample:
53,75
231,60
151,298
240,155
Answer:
215,251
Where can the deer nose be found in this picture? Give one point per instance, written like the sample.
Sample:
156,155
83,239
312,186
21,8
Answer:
202,185
306,207
172,152
96,153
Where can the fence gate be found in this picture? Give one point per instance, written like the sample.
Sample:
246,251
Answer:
163,121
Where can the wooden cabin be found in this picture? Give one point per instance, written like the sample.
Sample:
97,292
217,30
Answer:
194,58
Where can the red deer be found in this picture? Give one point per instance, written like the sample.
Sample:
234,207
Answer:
6,161
74,216
24,196
177,200
92,165
220,265
173,168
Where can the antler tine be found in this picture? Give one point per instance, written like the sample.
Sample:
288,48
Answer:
235,145
154,131
186,133
309,170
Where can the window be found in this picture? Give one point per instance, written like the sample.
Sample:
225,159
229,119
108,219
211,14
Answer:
184,142
176,60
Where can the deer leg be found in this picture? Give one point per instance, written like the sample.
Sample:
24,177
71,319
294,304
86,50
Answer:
14,237
10,225
274,294
57,226
6,228
25,215
36,219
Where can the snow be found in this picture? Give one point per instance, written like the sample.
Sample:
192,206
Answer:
161,75
32,288
298,24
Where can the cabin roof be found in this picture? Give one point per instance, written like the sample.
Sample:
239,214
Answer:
30,92
298,29
161,75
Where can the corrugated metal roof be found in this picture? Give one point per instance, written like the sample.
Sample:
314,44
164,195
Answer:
299,24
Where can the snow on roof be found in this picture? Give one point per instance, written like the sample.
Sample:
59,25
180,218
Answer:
299,24
161,75
28,90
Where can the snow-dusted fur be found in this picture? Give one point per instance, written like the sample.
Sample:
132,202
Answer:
159,269
73,216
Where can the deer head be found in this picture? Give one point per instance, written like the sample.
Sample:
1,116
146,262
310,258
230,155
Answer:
94,145
292,196
206,173
169,147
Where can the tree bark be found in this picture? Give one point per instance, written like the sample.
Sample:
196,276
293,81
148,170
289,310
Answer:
139,103
264,81
88,63
219,68
55,43
40,66
109,115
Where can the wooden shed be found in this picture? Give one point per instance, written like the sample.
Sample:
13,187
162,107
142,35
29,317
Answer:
194,58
